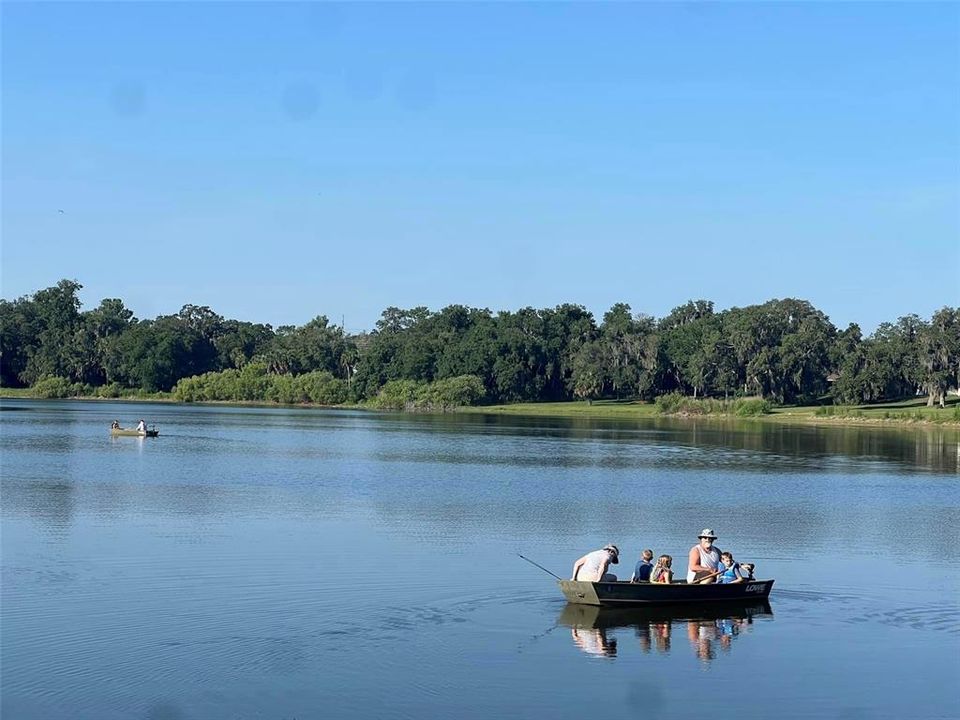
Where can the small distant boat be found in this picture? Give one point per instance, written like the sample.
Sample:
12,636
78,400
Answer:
132,432
582,592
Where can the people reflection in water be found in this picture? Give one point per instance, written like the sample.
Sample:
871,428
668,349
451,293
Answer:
708,637
654,635
701,635
643,636
661,635
594,641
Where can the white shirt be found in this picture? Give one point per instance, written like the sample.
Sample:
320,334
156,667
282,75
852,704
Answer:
591,566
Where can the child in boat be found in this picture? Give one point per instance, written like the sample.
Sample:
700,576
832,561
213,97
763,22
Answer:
729,570
661,572
641,573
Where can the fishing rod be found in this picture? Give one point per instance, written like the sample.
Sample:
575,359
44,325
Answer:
539,566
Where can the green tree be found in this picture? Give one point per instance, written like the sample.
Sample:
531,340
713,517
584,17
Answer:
98,330
848,357
155,354
19,331
239,342
939,354
631,351
688,336
52,351
589,375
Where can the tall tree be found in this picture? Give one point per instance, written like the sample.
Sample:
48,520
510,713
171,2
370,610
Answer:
53,351
939,354
19,335
631,351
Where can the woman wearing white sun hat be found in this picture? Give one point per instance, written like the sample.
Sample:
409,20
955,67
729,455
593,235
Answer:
704,557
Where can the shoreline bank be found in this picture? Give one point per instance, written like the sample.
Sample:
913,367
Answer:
887,415
904,414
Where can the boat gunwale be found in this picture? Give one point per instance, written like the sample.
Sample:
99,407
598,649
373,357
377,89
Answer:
133,432
612,593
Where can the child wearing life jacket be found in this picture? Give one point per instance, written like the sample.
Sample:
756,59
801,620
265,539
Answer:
730,571
661,572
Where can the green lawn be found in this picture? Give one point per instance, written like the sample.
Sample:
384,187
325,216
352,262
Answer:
132,395
899,412
903,412
16,393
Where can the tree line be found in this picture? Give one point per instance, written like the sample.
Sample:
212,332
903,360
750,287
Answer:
784,351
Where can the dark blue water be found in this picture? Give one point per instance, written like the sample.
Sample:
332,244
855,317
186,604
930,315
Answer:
272,563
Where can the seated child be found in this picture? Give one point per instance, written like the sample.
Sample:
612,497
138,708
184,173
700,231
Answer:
661,572
641,573
730,571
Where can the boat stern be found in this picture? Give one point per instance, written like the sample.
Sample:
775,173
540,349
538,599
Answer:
579,592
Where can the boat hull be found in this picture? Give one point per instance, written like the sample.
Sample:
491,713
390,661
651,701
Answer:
124,432
627,593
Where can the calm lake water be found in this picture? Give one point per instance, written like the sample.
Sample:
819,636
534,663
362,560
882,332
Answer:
291,563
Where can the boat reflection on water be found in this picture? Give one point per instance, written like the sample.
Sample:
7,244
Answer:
706,628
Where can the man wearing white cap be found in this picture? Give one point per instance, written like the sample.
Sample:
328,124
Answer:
704,557
592,567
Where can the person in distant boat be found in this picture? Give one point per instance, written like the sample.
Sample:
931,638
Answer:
641,573
704,558
115,425
729,571
661,572
141,427
592,567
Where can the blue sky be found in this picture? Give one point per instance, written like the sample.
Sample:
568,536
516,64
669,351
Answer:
281,161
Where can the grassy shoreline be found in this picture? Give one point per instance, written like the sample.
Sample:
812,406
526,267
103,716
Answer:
160,397
910,413
906,413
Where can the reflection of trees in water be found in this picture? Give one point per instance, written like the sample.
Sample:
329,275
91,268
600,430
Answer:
51,503
485,474
930,448
811,448
529,455
54,503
